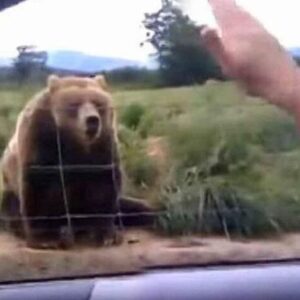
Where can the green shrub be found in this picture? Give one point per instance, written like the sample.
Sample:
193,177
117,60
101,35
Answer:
278,133
132,115
213,207
142,170
139,167
156,122
147,124
242,154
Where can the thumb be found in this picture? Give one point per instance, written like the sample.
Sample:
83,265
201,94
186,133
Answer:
213,43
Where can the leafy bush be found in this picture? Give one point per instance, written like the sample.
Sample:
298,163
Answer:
147,124
141,170
246,158
132,115
278,133
212,206
139,167
156,122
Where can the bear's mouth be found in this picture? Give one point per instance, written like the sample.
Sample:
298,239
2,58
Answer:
92,126
91,132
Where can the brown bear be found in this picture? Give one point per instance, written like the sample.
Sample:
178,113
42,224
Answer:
62,163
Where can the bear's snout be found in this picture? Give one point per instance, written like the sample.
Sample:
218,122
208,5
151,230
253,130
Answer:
92,125
92,122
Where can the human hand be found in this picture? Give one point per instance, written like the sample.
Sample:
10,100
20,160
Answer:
251,55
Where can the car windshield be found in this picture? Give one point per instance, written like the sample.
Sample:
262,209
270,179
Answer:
129,142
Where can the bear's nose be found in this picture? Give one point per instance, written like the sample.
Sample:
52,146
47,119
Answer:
92,124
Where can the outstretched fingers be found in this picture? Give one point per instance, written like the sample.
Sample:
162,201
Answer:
231,17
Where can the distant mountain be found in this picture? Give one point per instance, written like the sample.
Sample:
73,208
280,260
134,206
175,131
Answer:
78,61
81,62
5,62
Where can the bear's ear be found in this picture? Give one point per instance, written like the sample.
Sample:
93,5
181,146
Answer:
101,81
53,82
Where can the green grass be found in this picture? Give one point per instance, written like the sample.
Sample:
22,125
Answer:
233,162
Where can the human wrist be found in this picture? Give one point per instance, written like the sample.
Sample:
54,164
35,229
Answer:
292,96
285,91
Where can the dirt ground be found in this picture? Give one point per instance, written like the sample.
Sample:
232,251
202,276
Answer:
140,249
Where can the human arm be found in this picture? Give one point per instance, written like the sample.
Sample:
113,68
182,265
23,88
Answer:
248,53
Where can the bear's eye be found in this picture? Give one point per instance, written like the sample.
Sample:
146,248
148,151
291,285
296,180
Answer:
99,106
73,106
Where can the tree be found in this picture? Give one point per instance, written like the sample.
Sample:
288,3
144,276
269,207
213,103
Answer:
132,77
28,61
181,56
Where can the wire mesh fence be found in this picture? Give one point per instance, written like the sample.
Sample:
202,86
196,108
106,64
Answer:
228,222
62,169
221,215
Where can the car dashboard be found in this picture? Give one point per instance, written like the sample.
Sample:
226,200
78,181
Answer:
275,280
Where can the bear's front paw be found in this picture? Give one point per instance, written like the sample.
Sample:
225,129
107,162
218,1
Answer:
66,238
115,239
43,245
107,238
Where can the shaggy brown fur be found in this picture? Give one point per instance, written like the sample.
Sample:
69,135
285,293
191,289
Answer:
77,112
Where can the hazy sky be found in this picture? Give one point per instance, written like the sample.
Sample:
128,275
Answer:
113,27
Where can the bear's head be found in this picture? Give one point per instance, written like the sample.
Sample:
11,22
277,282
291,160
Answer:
82,106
